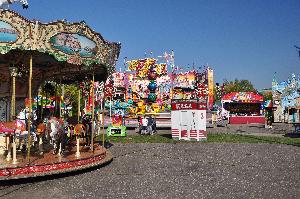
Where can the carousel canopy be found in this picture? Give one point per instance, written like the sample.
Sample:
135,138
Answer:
61,51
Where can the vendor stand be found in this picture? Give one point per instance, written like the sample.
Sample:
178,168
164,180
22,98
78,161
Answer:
243,107
188,119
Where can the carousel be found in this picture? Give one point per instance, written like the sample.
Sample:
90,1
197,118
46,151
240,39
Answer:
31,54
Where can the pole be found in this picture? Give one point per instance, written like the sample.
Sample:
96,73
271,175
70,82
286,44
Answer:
103,137
110,108
172,74
100,118
77,154
93,114
78,111
63,98
42,102
12,115
30,109
13,97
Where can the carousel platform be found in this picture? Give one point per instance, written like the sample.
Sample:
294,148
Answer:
49,164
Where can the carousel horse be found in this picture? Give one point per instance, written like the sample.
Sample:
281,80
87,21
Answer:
86,121
24,2
56,133
68,133
18,128
79,130
53,126
69,129
41,128
17,125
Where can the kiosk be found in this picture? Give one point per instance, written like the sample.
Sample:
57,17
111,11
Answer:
188,120
244,107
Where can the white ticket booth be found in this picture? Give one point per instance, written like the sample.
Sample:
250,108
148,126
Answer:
188,120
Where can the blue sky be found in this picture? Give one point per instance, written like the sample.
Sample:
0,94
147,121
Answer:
244,39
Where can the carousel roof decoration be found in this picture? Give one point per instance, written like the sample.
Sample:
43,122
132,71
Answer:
61,51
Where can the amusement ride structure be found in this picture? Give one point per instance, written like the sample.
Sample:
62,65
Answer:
45,131
31,54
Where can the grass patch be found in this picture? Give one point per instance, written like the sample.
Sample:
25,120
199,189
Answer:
217,138
142,139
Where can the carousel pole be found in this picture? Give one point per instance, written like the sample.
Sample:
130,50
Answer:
78,111
30,109
63,98
8,137
61,94
93,113
103,137
77,154
13,73
110,108
100,117
59,108
41,93
57,103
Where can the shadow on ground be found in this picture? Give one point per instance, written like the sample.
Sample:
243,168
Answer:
292,135
169,136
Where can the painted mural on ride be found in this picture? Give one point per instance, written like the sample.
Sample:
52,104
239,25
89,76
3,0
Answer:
148,87
286,99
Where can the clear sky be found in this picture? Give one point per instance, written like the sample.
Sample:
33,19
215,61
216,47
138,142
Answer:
244,39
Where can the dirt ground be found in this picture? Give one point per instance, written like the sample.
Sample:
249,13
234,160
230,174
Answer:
278,129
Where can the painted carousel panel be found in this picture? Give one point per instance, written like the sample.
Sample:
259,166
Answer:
8,34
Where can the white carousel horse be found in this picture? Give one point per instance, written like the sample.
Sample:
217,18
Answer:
54,130
57,133
7,2
21,131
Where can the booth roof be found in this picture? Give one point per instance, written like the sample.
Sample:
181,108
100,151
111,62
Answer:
246,97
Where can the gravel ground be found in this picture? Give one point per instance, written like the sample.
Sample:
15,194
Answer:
184,170
278,130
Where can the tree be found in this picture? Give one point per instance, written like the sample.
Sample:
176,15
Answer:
217,93
238,86
50,89
267,94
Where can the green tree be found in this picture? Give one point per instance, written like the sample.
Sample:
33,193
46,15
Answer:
70,93
267,95
217,93
238,86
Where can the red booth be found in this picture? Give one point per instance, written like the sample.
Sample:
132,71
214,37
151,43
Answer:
244,107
